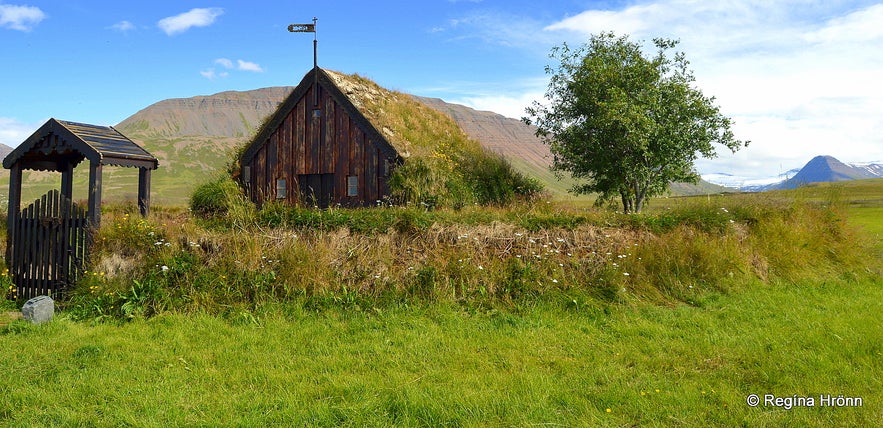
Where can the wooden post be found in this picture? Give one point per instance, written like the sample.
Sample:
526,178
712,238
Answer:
67,181
144,191
95,194
14,207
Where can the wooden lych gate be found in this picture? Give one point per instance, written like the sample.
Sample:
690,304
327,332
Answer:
48,242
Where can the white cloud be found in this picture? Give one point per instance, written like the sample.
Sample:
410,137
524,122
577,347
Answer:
21,18
224,62
249,66
199,17
230,65
211,74
208,73
123,26
796,77
13,131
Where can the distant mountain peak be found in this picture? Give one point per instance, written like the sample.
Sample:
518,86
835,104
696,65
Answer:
819,169
826,169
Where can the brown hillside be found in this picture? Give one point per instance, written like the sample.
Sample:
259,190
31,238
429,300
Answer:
225,114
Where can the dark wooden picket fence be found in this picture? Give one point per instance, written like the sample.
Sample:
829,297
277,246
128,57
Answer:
50,244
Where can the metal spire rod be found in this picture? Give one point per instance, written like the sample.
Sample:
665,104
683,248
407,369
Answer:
311,28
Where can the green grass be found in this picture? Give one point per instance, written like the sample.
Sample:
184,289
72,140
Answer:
440,365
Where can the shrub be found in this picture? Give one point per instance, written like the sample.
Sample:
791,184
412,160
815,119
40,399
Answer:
218,198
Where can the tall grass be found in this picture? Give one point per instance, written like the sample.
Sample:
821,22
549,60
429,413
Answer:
369,258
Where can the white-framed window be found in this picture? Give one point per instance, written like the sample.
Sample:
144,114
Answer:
281,188
352,185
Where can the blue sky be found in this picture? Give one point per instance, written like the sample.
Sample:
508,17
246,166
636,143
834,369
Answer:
800,78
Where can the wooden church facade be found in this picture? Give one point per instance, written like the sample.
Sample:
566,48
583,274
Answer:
318,149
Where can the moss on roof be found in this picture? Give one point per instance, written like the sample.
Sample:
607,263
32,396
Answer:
413,128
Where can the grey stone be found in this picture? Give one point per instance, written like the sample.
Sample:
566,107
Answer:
39,309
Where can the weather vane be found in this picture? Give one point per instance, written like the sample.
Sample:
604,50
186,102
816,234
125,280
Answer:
308,28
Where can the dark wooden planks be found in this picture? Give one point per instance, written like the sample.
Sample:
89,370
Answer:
52,243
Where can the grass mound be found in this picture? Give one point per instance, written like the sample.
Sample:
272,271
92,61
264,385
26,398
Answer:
485,257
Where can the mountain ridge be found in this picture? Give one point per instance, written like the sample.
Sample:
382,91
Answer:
224,114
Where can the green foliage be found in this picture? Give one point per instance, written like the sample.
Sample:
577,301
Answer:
627,124
221,197
495,182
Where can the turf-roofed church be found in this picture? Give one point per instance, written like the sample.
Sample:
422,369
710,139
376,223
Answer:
320,148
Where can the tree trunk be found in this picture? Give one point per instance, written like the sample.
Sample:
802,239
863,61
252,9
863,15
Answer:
628,202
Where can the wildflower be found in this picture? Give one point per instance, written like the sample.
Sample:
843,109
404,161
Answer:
625,273
554,281
480,267
608,410
164,268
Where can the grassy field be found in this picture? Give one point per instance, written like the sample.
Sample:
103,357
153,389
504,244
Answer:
726,297
439,365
